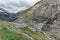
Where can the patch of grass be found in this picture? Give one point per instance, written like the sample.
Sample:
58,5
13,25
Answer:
8,34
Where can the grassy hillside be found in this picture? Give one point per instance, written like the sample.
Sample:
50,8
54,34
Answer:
10,32
35,35
7,32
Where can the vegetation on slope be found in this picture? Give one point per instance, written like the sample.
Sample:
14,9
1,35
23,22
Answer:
35,35
7,32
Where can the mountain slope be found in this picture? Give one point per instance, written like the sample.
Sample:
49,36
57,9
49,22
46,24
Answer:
44,11
9,32
36,35
43,16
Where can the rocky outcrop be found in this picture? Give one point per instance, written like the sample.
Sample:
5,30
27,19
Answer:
44,15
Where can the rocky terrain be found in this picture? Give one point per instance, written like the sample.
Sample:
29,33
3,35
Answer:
43,16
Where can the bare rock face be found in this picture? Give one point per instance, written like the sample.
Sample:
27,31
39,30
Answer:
44,15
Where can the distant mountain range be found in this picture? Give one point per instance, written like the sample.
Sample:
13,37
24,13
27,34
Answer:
6,16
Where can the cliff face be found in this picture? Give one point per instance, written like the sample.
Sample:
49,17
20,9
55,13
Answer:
44,15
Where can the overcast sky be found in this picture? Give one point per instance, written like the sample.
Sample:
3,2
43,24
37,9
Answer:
16,5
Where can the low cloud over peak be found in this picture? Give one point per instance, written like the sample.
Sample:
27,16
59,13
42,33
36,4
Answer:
16,5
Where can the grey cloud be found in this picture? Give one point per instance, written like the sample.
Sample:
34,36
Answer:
14,7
